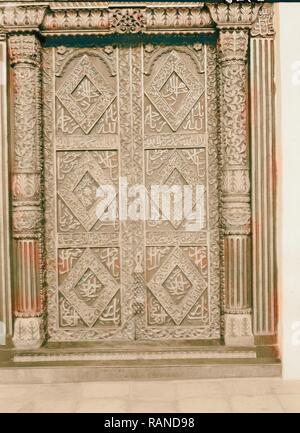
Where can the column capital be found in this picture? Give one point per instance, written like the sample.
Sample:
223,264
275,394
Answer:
233,45
234,16
24,48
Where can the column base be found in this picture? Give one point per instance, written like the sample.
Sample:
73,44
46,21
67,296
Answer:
238,330
28,333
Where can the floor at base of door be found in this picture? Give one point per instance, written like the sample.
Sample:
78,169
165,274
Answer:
220,395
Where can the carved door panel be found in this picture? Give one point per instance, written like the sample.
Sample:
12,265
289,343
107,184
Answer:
147,114
181,294
88,144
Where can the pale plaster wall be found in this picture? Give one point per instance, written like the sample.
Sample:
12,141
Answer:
288,145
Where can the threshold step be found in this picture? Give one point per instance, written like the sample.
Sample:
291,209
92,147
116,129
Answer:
47,355
139,370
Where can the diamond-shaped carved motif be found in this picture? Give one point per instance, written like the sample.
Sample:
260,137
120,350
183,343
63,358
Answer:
85,94
86,190
174,90
175,168
171,174
79,188
177,284
171,275
175,178
89,287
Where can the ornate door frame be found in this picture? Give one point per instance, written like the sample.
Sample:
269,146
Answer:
245,46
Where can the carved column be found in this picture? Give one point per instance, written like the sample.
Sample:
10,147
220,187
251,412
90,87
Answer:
236,209
234,22
25,55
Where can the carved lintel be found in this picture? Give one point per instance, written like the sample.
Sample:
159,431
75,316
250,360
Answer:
177,17
106,18
86,19
22,18
238,15
28,333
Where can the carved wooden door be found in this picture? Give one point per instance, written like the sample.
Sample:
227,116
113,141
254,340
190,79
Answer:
147,114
